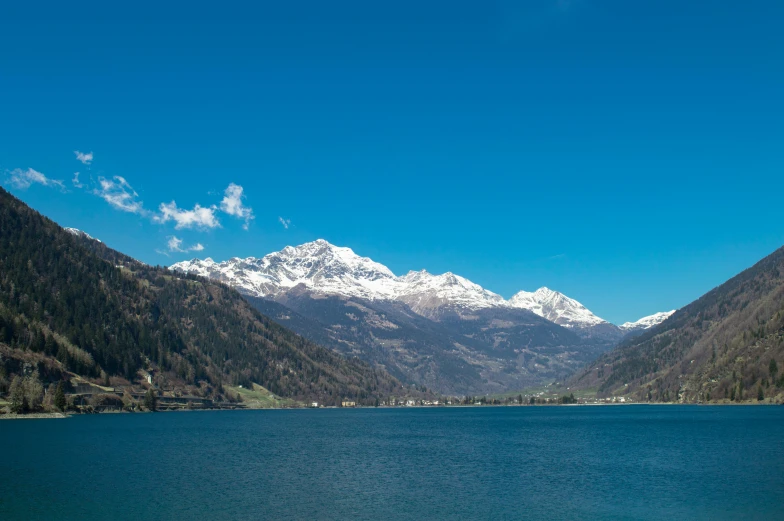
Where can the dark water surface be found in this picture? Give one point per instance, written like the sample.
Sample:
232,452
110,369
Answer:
628,462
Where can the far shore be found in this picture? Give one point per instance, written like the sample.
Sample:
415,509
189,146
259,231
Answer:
48,415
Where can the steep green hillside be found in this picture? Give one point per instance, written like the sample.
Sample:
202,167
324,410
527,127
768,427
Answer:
102,314
728,345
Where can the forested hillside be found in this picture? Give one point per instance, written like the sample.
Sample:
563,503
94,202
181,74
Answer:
727,345
101,314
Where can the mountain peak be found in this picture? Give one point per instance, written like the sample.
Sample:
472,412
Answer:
556,307
317,265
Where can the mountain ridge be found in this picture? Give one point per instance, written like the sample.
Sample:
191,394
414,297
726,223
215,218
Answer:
323,267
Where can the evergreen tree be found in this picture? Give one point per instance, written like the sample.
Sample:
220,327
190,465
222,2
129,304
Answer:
59,397
760,394
150,400
773,368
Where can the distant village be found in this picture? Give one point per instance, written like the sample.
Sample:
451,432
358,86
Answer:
150,393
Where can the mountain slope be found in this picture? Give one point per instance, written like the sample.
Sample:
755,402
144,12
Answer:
102,313
728,344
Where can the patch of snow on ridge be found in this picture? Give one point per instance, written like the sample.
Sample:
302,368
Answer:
648,322
80,233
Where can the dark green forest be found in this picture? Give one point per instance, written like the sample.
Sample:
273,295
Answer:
101,314
725,346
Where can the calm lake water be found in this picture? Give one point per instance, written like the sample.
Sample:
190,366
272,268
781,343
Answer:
629,462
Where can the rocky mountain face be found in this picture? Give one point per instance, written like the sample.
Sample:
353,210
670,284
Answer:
726,346
441,331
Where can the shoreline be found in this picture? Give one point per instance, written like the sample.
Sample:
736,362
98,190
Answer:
34,416
60,415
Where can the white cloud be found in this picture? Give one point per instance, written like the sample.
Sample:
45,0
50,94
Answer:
285,222
200,217
75,180
232,204
118,193
22,179
84,158
175,244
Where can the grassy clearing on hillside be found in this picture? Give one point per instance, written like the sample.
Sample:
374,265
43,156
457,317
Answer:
261,398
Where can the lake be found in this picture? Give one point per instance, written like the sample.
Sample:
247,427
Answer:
624,462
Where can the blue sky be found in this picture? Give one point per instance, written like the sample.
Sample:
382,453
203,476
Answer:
628,154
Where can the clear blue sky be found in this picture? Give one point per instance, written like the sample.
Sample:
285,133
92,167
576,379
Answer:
627,153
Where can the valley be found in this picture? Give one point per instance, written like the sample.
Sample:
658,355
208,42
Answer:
442,332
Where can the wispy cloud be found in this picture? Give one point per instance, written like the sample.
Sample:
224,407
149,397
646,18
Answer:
75,180
85,158
232,204
557,256
174,244
200,217
23,179
119,194
285,222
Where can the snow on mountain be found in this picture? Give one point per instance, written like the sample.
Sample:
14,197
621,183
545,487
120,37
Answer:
317,265
80,233
556,307
424,292
647,322
324,268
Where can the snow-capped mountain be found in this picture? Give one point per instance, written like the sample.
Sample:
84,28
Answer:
322,268
426,293
318,266
647,322
80,233
556,307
